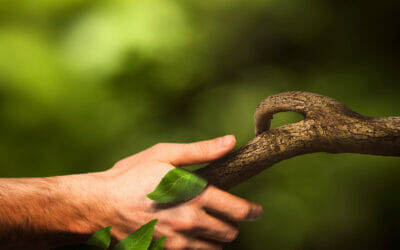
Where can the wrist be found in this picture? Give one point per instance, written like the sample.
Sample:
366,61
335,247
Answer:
82,204
72,209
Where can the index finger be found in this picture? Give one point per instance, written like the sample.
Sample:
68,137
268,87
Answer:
228,205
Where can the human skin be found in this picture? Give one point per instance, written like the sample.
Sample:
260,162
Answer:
41,213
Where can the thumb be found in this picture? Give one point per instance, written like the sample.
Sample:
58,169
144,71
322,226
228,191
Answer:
181,154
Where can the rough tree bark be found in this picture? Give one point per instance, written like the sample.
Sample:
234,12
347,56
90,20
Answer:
328,126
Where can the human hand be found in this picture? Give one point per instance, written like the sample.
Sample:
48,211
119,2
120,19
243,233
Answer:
201,223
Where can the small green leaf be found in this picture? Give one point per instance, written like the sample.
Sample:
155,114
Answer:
178,185
138,240
101,238
158,244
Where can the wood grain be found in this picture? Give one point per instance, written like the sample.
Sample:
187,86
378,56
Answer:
328,126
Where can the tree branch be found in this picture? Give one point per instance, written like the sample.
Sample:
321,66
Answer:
328,126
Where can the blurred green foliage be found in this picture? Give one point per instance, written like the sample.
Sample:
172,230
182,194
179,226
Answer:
85,83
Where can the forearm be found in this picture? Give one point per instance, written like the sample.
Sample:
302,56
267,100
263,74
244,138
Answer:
39,213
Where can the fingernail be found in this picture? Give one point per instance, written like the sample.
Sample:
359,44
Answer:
224,141
256,212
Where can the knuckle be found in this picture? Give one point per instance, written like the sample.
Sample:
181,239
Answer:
187,222
232,235
244,212
178,243
203,148
120,164
158,146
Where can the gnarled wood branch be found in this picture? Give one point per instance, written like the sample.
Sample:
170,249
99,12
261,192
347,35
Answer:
328,126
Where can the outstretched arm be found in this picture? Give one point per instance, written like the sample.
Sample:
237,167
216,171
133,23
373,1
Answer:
39,213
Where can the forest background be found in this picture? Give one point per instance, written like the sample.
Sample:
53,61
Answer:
84,83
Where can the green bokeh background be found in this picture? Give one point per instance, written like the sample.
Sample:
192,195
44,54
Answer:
84,83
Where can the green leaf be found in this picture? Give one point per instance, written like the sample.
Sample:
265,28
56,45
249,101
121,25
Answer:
158,244
101,238
178,185
138,240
